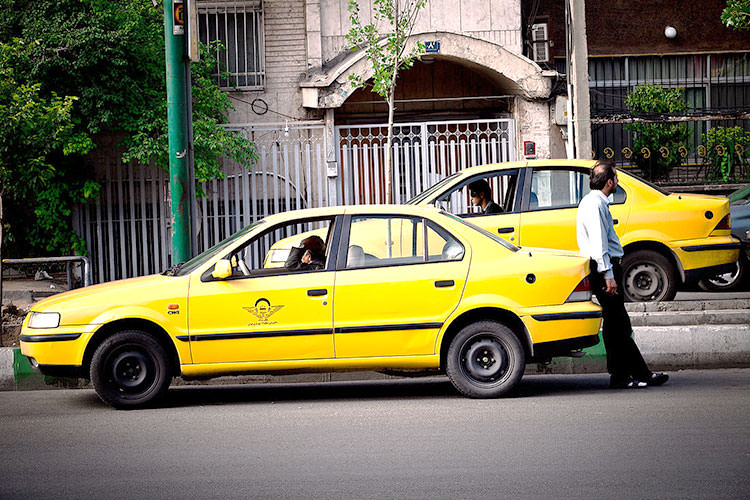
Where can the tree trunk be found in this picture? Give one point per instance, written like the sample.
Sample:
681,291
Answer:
389,152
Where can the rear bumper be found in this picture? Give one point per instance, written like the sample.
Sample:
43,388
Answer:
705,257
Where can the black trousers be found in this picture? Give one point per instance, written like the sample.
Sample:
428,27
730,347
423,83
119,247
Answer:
624,359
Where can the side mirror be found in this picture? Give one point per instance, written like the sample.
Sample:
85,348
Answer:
222,269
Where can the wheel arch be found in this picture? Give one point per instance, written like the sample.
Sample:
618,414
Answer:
120,325
659,248
502,316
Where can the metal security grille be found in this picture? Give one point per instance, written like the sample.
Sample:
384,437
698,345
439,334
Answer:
423,153
238,25
717,94
127,230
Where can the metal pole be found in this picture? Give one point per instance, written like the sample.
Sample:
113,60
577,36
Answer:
179,188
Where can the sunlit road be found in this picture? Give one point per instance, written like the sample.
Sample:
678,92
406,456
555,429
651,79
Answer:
558,437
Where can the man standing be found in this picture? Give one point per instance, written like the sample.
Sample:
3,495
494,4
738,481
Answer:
481,196
598,241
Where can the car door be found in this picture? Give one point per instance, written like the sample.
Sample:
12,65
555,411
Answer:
392,299
550,202
505,186
264,311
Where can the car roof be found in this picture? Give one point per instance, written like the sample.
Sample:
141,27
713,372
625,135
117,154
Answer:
352,210
494,167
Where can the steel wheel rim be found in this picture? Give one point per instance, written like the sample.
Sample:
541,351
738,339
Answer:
130,370
726,279
485,360
645,282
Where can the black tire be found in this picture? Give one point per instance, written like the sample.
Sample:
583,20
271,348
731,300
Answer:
727,282
485,360
648,276
130,370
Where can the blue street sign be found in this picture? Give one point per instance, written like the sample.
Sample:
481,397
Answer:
432,47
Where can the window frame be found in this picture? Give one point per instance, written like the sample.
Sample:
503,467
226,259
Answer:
520,173
256,10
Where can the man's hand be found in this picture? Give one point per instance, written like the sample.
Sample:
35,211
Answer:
307,258
611,286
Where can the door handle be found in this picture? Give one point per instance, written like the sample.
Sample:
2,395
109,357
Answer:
317,292
503,230
444,283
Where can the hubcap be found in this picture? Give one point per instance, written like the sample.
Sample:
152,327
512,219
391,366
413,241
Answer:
130,369
726,279
484,359
645,282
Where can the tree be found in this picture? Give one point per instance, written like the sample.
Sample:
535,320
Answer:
737,14
387,53
656,146
100,64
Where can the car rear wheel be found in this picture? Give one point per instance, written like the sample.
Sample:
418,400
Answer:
130,369
485,360
648,276
726,282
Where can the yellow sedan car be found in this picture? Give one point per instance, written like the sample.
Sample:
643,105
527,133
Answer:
669,239
449,296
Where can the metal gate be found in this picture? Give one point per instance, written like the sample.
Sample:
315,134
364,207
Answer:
423,153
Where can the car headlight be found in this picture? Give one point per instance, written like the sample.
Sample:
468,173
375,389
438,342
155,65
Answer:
44,320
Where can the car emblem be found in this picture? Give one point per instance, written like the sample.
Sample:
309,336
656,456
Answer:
262,310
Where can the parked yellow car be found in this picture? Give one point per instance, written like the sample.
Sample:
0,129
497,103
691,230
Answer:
669,239
450,296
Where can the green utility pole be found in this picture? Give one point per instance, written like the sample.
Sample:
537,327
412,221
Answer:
177,120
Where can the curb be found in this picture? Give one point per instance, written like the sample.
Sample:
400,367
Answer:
663,347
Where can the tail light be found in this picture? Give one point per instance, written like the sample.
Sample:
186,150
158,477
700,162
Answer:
582,292
724,223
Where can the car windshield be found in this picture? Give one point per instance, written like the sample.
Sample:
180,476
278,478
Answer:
740,197
432,190
510,246
198,260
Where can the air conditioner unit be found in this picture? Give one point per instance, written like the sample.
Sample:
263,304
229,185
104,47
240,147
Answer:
540,42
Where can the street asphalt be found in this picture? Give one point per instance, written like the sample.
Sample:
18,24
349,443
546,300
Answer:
559,436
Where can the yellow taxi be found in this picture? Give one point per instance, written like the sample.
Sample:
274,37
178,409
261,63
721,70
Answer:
669,239
449,296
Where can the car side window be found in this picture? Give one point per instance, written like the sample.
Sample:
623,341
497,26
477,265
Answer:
498,190
296,246
562,188
376,241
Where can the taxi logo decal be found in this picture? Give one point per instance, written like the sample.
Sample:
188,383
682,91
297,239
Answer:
263,310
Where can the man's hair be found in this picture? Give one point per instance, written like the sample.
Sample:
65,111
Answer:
481,186
603,171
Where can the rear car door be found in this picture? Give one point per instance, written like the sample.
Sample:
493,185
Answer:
398,279
550,202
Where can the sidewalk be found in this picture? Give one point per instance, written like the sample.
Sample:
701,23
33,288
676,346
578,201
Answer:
671,335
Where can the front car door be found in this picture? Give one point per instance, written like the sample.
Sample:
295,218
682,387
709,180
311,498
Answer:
550,201
265,311
398,279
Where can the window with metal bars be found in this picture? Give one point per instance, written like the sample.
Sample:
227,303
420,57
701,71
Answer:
238,25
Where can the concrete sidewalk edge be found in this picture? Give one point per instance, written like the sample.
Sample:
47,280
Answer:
664,348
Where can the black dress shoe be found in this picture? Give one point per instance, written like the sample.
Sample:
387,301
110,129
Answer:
626,383
656,379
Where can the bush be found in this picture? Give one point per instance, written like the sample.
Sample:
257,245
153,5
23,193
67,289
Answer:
656,145
726,152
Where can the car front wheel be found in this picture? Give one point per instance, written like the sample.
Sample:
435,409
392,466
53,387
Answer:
485,360
726,282
648,276
130,369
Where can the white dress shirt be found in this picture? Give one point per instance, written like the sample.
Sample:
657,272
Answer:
595,231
